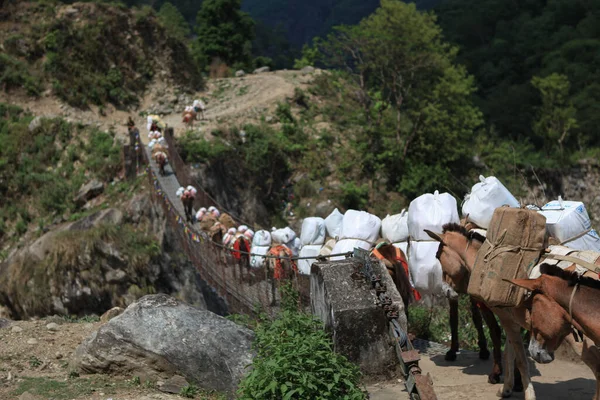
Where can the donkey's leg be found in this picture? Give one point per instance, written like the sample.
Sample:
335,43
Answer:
515,342
496,335
590,355
484,353
451,354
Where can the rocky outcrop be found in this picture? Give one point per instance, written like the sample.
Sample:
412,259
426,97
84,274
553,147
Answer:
104,260
88,192
159,336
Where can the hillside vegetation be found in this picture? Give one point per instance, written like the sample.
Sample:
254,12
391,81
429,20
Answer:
89,53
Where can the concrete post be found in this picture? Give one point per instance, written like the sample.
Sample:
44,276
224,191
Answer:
348,309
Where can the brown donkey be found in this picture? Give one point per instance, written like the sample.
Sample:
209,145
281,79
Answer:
561,300
457,253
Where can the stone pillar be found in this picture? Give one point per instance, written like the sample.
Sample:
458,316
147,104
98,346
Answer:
347,307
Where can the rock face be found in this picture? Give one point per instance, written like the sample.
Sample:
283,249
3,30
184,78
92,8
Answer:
159,336
347,308
89,191
96,263
239,73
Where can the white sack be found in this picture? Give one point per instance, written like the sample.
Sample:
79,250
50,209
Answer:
485,197
294,245
333,223
346,245
256,261
313,231
425,269
283,236
431,211
402,246
566,220
360,225
394,228
261,238
308,251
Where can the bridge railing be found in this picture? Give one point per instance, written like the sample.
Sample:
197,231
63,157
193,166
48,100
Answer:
246,290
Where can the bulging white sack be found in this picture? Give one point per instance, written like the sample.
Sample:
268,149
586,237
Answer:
402,246
308,251
333,223
394,228
485,197
294,245
256,260
348,245
262,238
283,236
425,269
360,225
313,231
569,222
431,211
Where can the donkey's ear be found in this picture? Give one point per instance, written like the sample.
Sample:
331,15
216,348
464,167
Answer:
529,284
434,236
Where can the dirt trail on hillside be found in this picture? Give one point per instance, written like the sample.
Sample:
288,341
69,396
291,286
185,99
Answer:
228,101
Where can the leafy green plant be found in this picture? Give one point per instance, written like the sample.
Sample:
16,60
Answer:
295,360
189,391
34,362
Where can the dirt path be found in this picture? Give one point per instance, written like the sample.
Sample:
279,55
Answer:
466,379
229,101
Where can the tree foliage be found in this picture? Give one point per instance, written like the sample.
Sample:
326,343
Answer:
414,97
173,21
224,33
505,44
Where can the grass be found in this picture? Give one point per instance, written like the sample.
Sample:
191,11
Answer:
41,171
434,324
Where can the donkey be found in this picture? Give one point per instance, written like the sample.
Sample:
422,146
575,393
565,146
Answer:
161,159
560,301
279,266
188,205
395,262
457,254
457,276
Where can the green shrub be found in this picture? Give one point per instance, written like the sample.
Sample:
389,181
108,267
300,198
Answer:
353,196
15,74
295,360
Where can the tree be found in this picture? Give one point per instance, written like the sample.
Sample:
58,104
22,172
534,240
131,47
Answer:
397,57
224,33
556,116
173,21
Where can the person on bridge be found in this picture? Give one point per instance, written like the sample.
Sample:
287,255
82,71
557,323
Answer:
187,198
160,157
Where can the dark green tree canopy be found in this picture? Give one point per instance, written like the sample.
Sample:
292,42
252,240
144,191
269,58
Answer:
224,32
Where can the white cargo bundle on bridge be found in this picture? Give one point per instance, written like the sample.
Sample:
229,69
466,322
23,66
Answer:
313,231
312,238
333,224
261,242
428,211
485,197
287,237
394,228
569,222
359,229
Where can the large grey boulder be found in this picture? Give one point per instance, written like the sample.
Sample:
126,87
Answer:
159,336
